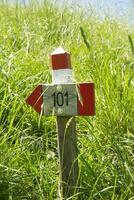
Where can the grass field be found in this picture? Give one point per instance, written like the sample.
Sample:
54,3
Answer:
102,52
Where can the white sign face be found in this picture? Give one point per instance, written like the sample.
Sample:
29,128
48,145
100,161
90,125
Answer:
60,100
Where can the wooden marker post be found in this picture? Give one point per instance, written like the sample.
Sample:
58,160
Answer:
65,99
66,126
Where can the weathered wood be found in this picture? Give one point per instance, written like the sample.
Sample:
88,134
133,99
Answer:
67,146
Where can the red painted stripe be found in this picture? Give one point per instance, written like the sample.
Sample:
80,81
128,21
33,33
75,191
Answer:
60,61
86,107
36,99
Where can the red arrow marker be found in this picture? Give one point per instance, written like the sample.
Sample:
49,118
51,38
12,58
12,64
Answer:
86,106
36,99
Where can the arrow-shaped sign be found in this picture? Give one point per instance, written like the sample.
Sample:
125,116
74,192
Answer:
51,98
63,97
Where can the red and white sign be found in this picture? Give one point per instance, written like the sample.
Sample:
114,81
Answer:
62,75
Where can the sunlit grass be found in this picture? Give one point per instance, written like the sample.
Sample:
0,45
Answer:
101,52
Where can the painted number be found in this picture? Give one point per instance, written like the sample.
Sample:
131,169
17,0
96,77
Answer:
60,99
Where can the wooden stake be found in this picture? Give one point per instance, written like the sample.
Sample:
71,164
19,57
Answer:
67,146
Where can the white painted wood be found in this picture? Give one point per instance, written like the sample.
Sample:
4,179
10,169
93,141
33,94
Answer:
59,50
62,76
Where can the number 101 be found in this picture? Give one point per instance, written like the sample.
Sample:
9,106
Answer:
60,99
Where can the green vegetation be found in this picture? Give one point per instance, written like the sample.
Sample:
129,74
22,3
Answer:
102,52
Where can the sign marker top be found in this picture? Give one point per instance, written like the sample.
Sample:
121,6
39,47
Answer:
59,50
60,59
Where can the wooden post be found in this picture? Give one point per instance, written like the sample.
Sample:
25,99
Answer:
68,155
66,128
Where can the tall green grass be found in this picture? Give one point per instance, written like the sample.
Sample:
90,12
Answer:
102,52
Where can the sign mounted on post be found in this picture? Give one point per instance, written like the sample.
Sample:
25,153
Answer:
65,100
63,97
